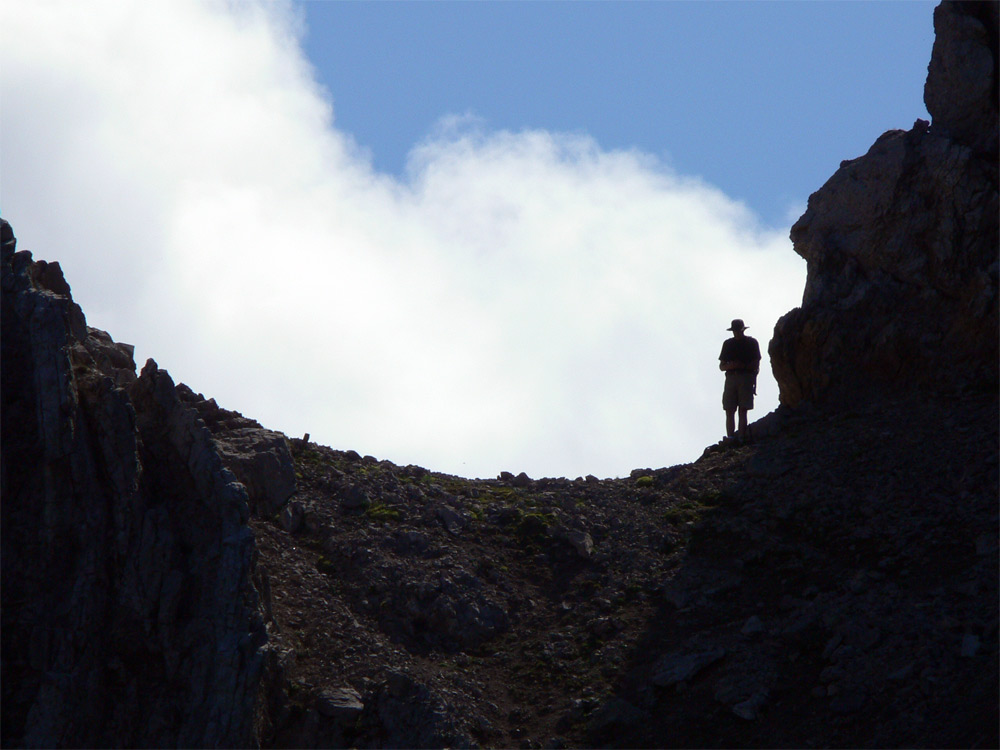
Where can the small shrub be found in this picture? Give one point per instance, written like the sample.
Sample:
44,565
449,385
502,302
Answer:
644,481
503,493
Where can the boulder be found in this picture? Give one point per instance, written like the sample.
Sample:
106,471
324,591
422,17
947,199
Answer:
451,519
579,540
408,713
672,669
344,705
292,517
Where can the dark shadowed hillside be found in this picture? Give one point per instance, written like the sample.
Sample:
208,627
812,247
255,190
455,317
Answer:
175,574
833,585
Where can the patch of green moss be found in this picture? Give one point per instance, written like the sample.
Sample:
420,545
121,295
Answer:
382,513
309,456
533,527
644,481
683,512
503,493
454,485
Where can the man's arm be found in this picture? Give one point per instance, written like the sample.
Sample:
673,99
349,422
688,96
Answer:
726,362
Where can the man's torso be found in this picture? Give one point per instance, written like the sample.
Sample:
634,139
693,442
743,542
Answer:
744,350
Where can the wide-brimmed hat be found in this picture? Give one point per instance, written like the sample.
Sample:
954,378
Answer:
737,326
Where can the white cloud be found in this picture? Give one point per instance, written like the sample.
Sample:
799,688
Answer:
521,301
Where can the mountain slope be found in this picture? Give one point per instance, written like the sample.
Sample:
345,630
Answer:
832,585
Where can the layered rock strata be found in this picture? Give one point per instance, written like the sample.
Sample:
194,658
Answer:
129,612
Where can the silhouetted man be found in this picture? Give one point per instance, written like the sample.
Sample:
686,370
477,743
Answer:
740,359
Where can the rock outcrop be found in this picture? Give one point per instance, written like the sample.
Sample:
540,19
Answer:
261,459
902,243
961,92
129,612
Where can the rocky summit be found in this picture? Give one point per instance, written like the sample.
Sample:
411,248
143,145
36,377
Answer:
175,574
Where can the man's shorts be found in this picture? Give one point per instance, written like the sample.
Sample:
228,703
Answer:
739,390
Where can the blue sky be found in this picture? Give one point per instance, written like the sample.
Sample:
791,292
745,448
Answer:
478,237
762,99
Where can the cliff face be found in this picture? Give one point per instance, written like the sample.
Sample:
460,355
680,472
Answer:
901,243
129,612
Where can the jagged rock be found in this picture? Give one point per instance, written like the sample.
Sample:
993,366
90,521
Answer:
451,614
961,88
521,480
129,612
344,705
355,498
110,357
262,462
901,244
579,540
292,517
452,520
750,708
406,713
261,459
674,668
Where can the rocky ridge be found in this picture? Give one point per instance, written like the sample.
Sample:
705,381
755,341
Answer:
175,574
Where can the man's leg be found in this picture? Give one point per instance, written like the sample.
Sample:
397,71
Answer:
730,422
743,422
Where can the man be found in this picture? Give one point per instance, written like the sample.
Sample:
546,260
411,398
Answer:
740,360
